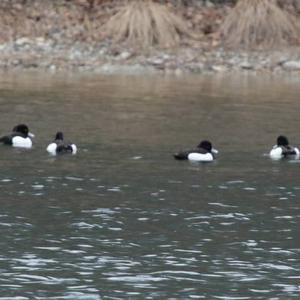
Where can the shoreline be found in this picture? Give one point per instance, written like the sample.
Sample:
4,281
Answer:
46,55
70,37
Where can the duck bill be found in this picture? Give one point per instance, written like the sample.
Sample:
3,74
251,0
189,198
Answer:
31,135
214,151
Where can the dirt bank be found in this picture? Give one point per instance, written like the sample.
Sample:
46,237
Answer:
68,35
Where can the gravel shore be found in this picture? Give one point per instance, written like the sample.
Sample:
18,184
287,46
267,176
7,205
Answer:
42,54
66,36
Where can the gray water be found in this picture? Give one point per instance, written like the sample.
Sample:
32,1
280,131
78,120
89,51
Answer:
123,219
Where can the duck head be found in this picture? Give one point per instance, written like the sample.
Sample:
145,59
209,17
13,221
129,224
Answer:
282,141
205,145
23,129
208,147
59,136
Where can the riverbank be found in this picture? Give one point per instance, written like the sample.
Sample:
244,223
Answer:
42,54
69,38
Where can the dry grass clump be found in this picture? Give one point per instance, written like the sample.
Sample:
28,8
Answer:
259,24
143,23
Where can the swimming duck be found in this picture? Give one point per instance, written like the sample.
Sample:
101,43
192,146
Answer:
20,137
58,146
204,152
283,150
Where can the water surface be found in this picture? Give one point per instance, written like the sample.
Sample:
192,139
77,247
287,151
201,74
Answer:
122,219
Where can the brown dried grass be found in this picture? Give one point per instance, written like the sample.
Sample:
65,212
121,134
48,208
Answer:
259,24
143,23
